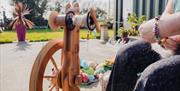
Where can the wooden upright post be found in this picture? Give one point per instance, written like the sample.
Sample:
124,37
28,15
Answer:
70,73
69,78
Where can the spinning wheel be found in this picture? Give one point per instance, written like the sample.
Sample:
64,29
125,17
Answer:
42,60
64,75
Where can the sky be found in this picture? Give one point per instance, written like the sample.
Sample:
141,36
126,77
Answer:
4,5
103,4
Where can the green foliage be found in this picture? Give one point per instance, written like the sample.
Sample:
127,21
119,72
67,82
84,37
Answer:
123,32
130,32
103,23
56,6
36,35
133,33
135,22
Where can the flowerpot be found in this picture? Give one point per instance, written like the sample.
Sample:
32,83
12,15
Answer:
104,33
21,32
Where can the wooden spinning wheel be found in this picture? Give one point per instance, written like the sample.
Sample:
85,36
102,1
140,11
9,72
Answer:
45,55
64,75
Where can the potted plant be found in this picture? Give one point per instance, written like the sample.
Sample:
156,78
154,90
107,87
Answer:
124,35
104,32
135,21
20,23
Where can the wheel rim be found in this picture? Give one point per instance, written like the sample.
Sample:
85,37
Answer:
38,73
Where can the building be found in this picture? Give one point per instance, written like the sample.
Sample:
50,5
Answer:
149,8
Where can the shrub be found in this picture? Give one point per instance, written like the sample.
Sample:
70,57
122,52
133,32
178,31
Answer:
39,21
130,32
133,33
123,32
135,22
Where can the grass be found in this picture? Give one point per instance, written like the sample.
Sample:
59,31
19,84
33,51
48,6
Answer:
42,35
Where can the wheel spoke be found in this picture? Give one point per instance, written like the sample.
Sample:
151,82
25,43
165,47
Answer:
54,63
48,76
51,87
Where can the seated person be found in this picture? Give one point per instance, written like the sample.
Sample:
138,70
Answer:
157,74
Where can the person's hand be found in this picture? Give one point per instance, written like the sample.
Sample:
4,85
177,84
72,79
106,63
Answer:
169,43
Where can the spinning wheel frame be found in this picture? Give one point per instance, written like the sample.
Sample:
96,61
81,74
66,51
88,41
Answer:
68,76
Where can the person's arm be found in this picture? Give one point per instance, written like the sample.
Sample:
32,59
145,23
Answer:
169,25
169,8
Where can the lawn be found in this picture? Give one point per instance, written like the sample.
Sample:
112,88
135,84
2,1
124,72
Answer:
41,35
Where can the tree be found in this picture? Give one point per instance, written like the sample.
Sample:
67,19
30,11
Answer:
38,7
57,6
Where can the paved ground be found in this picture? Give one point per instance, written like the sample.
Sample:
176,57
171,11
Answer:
16,62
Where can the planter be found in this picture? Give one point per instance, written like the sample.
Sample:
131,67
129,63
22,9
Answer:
104,33
21,32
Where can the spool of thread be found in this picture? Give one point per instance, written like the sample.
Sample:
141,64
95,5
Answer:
91,78
83,64
84,77
92,64
99,71
88,71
